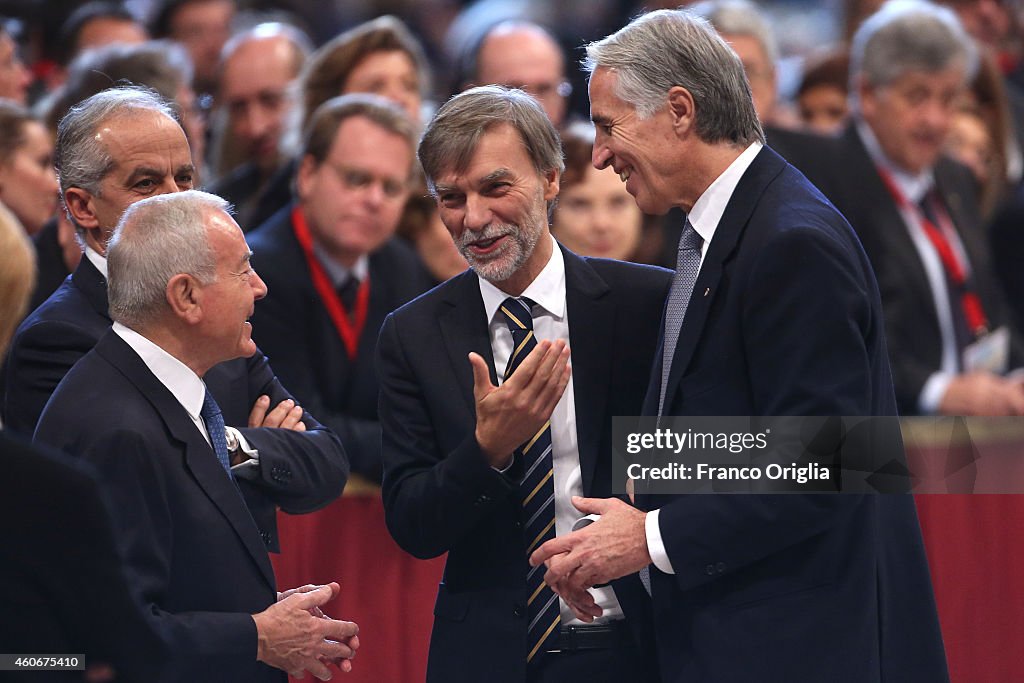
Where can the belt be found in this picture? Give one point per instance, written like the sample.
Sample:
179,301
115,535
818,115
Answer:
599,637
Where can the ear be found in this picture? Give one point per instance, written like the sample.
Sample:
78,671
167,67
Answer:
304,176
184,296
682,110
552,183
867,96
80,206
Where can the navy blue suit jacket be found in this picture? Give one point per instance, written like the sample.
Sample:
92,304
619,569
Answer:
786,319
292,324
63,587
70,323
194,552
441,496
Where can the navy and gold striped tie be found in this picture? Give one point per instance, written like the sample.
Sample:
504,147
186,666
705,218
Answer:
537,492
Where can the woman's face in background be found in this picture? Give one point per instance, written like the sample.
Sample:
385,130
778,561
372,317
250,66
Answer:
391,75
28,182
597,216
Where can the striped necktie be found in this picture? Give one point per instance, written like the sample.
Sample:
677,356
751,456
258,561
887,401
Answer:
536,492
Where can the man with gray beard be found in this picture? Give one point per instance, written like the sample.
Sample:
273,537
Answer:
488,430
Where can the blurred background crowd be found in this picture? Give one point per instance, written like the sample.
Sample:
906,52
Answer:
248,76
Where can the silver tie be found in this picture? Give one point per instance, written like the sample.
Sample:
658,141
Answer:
687,267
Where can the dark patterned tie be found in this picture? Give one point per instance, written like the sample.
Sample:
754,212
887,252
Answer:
536,492
930,206
687,267
348,291
215,428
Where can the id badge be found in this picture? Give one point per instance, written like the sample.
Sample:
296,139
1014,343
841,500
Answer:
991,353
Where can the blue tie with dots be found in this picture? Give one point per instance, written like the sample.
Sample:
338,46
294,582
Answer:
215,428
536,492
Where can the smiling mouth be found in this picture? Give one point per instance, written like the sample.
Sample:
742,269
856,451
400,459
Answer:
488,245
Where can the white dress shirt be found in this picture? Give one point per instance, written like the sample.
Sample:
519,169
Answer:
99,261
551,322
704,217
186,386
914,188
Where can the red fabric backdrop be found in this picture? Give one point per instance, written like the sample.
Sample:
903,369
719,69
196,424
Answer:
388,593
975,547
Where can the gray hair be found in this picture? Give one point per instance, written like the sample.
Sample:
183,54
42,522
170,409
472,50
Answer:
157,238
666,48
909,35
453,135
739,18
82,160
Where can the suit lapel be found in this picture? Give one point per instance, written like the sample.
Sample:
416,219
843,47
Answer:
93,285
199,457
882,230
591,327
464,328
765,167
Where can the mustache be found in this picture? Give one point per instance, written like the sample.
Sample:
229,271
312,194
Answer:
490,232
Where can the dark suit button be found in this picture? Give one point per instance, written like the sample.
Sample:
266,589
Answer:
518,611
517,524
720,567
710,570
266,537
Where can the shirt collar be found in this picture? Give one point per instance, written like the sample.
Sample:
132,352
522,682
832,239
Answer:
913,186
184,384
547,289
99,261
338,273
707,211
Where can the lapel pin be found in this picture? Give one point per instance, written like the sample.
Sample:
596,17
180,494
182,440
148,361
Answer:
707,291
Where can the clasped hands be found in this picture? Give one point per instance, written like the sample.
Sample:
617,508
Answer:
613,546
294,634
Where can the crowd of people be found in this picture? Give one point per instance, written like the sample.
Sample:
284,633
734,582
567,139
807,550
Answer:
439,277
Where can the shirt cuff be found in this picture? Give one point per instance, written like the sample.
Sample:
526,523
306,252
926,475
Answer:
243,445
931,394
506,468
655,546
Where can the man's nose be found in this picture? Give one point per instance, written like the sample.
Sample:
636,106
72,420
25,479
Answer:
259,287
478,213
601,155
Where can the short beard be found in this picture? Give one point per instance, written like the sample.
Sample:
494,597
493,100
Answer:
513,254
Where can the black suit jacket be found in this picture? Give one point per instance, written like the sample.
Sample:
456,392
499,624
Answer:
292,324
70,323
50,268
441,496
193,549
786,319
911,321
63,587
1006,238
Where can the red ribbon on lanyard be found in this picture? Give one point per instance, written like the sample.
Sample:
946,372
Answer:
350,327
969,301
